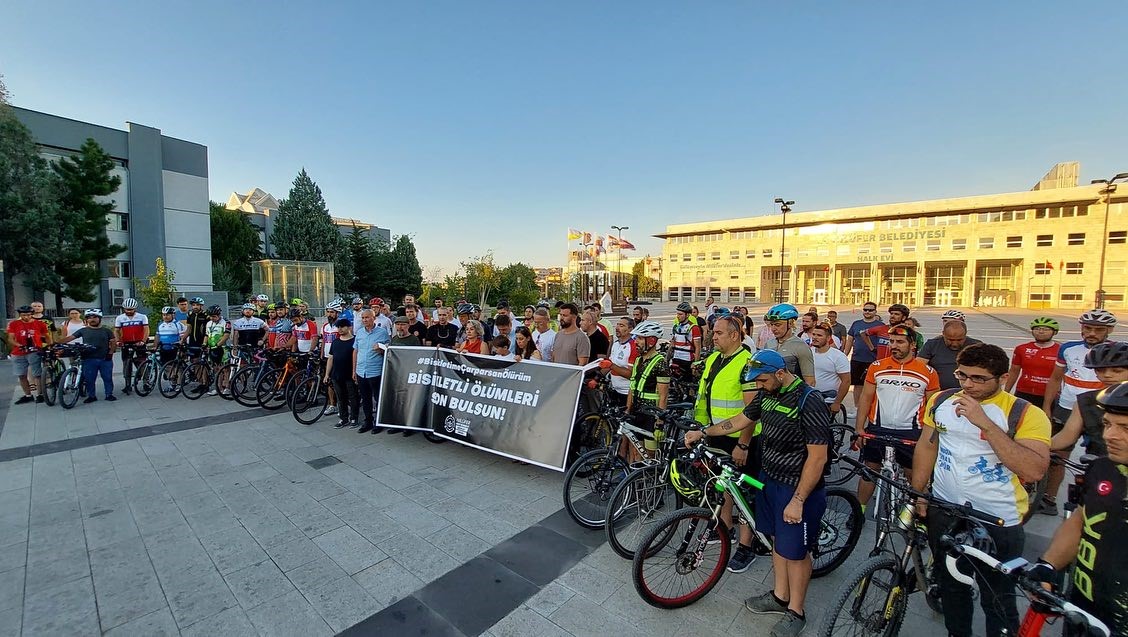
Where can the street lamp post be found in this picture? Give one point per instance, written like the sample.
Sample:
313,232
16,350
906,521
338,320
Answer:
784,208
618,262
1109,188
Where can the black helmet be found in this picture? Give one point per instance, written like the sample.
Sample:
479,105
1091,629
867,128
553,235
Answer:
215,309
685,307
295,312
1107,354
23,309
1114,399
898,307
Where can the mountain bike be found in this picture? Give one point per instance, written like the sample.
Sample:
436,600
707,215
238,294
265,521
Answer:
53,370
1044,604
588,483
874,598
275,386
171,375
70,383
593,429
146,374
686,553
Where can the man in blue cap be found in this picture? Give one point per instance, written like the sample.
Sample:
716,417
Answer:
795,436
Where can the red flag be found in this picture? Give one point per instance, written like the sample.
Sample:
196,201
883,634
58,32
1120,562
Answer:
612,242
626,245
1049,266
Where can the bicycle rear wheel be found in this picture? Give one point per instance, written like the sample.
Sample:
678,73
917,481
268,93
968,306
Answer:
839,530
270,393
871,602
308,402
588,484
223,381
591,432
69,386
635,507
244,385
677,563
170,378
51,376
197,380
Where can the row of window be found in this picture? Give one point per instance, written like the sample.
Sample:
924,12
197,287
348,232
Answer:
930,245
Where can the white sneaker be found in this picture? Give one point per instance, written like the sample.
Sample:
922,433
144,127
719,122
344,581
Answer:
213,393
330,411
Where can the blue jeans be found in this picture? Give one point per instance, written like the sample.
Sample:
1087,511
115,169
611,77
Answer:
90,371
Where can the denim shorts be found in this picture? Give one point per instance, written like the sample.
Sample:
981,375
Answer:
21,364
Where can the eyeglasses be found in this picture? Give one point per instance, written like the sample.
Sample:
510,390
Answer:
975,378
869,309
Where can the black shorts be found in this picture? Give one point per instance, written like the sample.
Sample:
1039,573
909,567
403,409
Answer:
167,355
1057,423
874,451
858,371
1033,399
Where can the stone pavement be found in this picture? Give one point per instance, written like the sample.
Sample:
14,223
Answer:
154,516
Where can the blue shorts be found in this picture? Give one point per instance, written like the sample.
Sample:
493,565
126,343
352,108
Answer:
790,541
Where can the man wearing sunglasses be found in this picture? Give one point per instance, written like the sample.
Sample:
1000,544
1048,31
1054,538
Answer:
795,434
861,355
979,445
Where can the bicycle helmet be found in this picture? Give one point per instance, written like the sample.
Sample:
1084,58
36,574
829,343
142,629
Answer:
687,479
168,309
1107,354
376,301
685,307
475,308
1114,399
357,299
899,307
198,300
336,306
952,315
647,329
249,306
465,308
1098,317
1046,321
295,312
765,361
262,297
974,535
781,312
215,309
271,306
93,312
129,304
23,309
542,304
721,311
296,301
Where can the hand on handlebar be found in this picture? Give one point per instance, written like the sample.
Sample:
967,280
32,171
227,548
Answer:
693,437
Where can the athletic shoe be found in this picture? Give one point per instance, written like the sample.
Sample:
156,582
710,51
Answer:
407,433
766,604
90,399
741,559
25,400
341,424
111,398
353,423
213,393
377,430
38,399
127,391
1047,506
790,625
332,409
364,429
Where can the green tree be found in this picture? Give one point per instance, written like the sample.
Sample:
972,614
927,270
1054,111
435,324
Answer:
85,181
646,286
235,244
304,230
518,285
364,261
34,232
159,289
482,277
400,273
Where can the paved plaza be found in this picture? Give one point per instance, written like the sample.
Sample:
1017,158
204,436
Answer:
150,516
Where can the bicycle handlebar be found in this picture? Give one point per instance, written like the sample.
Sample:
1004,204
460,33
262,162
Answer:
1016,570
889,440
724,460
962,510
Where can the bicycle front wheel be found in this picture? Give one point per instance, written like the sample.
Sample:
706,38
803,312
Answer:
69,386
51,375
244,385
223,381
871,602
588,484
591,432
271,390
170,378
145,378
635,507
308,402
681,559
197,380
839,530
840,472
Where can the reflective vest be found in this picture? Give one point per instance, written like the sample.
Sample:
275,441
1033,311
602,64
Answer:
725,397
638,381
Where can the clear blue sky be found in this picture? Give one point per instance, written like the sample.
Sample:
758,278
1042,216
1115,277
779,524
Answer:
496,125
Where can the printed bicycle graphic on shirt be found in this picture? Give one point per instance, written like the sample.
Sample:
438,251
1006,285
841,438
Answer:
996,474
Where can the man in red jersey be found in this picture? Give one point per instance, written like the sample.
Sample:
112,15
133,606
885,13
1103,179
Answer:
1033,362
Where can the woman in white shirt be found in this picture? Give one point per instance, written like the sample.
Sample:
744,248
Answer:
73,324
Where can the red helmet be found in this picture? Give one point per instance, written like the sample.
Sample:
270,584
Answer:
376,301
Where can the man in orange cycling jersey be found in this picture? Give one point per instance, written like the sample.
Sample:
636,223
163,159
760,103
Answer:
892,402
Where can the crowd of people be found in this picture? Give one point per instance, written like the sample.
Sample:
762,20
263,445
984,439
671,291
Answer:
975,424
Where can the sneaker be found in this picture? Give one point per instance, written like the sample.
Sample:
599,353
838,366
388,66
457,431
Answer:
332,409
364,429
790,625
25,400
90,399
38,399
111,398
353,424
213,393
766,604
1047,506
407,433
127,391
741,559
341,424
377,430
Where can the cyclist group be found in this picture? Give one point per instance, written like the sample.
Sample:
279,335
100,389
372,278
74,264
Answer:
975,425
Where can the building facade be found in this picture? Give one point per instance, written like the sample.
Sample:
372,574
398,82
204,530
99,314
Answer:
160,208
261,207
1054,246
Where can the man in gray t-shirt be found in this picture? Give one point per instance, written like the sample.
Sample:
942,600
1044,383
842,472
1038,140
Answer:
98,361
571,346
940,352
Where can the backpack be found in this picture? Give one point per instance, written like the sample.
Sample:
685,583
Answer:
1014,414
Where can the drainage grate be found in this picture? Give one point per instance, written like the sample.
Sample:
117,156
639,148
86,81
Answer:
321,463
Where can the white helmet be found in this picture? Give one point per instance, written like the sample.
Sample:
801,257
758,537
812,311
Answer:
262,297
647,329
1098,317
953,315
93,312
129,304
336,305
249,306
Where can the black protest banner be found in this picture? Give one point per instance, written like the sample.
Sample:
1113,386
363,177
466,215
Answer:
519,410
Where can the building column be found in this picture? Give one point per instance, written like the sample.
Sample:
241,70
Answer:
970,283
919,294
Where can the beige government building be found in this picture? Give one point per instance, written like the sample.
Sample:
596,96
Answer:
1040,248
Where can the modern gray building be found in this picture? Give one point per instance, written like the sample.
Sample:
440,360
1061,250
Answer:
261,207
160,209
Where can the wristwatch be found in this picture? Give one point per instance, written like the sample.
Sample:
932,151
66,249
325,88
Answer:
741,445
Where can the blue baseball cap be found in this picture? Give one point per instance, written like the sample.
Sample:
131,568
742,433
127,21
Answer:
765,361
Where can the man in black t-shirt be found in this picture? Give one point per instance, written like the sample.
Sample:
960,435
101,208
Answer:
339,371
442,334
197,323
415,326
600,345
